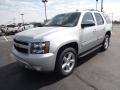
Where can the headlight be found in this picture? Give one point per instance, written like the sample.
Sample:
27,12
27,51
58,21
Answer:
40,47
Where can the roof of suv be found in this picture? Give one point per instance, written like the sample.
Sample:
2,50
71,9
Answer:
88,10
91,10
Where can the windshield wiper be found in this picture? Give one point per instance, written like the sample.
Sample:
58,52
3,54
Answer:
53,25
60,25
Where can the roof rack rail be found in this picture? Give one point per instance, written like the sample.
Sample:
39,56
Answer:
92,10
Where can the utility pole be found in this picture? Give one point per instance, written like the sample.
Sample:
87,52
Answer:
101,5
45,1
96,4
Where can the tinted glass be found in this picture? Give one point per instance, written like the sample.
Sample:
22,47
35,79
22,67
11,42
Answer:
99,19
65,20
87,17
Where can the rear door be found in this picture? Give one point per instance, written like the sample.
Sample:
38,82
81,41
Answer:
100,30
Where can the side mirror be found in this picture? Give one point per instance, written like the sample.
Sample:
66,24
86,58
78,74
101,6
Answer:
88,23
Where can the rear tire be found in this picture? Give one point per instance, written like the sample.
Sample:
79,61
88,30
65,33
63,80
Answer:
106,43
66,61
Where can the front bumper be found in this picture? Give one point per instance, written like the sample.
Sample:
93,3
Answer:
39,62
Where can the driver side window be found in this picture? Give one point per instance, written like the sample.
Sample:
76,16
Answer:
87,18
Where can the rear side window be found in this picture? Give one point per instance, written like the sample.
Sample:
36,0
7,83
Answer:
99,19
107,18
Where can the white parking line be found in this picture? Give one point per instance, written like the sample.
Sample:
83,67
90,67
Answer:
5,39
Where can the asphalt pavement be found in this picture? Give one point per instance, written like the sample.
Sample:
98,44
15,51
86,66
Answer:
96,71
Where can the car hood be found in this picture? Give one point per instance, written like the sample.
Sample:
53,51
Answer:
37,33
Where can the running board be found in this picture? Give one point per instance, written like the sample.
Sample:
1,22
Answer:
90,51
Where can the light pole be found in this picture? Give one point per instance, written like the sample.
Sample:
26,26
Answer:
22,19
101,5
96,4
45,1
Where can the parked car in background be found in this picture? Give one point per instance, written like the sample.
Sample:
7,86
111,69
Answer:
38,24
20,28
13,29
0,33
3,29
10,29
28,26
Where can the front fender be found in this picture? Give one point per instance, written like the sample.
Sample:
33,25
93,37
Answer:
57,44
61,38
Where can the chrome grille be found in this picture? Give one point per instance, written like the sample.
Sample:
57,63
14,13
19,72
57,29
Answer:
21,42
21,46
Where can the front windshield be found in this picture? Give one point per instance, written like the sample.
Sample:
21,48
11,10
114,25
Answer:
65,20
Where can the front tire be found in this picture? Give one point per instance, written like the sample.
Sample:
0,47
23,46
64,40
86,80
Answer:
66,61
106,43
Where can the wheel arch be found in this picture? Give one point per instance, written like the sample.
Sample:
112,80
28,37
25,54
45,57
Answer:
70,44
108,33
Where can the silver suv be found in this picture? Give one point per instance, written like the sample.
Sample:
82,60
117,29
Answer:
57,45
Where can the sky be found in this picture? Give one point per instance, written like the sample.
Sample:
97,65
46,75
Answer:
33,10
